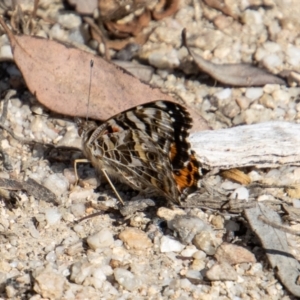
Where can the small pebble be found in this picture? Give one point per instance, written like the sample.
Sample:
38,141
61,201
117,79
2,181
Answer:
49,284
254,93
57,183
135,238
101,239
189,251
207,242
78,209
169,214
223,271
234,254
187,227
52,216
126,279
168,244
223,94
240,193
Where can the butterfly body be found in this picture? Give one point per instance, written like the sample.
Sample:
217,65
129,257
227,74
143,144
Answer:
144,147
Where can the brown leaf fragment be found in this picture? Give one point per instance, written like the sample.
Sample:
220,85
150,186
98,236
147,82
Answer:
131,28
30,186
59,77
170,7
142,72
116,10
234,74
237,176
10,184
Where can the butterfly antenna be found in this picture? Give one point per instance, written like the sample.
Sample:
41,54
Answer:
90,87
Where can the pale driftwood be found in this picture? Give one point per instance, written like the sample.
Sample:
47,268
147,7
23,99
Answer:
276,246
264,145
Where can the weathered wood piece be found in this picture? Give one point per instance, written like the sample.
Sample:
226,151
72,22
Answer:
264,145
276,246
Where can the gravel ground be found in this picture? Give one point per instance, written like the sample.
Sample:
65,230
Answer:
159,253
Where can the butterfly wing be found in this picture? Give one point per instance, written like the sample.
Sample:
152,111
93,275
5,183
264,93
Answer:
166,122
165,125
133,158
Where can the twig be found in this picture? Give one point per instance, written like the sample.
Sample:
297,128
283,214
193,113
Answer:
278,226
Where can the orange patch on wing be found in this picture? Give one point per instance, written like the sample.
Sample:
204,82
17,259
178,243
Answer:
115,129
188,176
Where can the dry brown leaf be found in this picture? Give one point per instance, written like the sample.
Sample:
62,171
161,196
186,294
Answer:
59,77
131,28
169,8
115,10
237,176
140,71
234,74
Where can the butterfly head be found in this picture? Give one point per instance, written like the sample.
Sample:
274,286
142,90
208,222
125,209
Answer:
84,126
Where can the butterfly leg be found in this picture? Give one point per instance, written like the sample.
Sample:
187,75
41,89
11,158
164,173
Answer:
112,186
77,161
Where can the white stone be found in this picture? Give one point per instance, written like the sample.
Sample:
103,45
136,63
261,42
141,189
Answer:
50,132
254,93
168,244
272,62
272,47
229,185
281,96
164,59
6,53
223,94
126,279
293,55
189,251
251,17
194,275
99,277
69,20
57,183
240,193
78,209
51,256
296,203
52,215
101,239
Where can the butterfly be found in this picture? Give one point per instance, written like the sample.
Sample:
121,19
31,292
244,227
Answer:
145,147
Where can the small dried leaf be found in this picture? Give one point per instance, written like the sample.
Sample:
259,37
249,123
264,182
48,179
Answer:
237,176
38,191
234,74
60,76
10,184
30,186
169,10
142,72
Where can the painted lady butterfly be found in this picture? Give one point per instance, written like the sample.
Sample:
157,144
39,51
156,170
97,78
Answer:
145,147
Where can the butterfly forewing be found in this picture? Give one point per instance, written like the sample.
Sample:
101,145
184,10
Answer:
167,123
